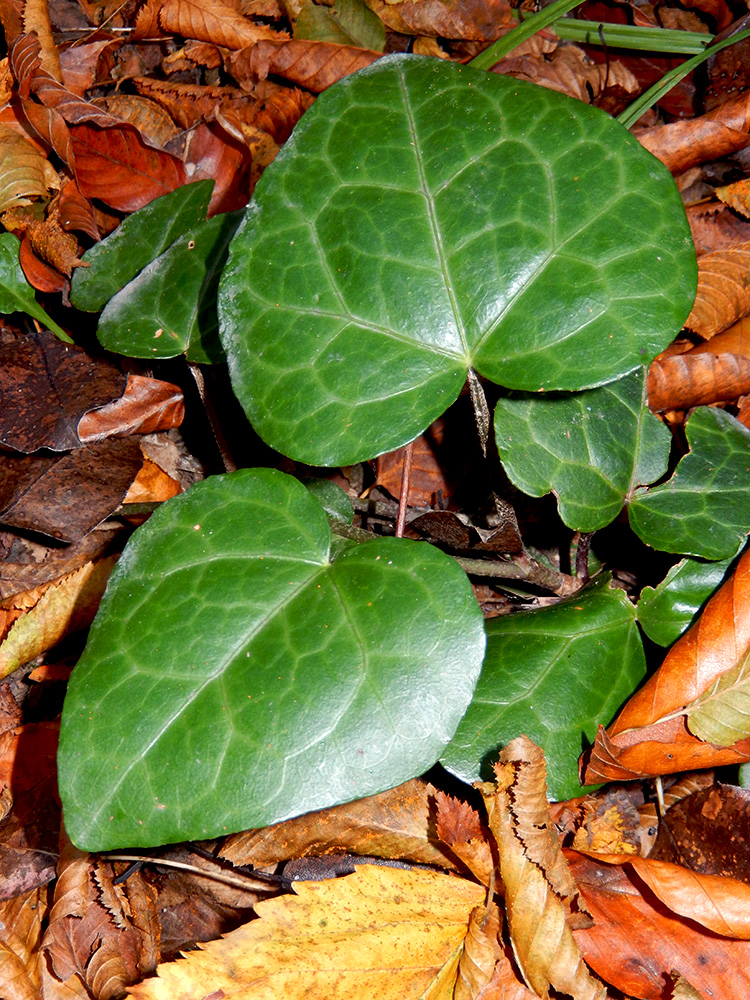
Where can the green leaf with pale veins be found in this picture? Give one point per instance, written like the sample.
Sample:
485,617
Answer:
553,674
591,449
721,715
236,674
445,218
170,308
138,240
704,509
669,609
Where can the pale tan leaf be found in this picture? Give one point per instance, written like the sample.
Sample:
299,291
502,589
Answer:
21,920
25,174
723,294
382,933
736,195
481,952
66,605
505,984
682,990
542,940
213,21
36,19
721,715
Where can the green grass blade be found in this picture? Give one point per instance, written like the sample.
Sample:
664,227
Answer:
525,29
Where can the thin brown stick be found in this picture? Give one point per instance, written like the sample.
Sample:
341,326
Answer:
403,498
221,442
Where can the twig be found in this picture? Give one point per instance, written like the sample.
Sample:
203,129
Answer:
221,442
218,876
403,498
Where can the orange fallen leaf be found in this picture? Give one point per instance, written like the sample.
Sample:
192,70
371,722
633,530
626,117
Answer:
723,294
382,932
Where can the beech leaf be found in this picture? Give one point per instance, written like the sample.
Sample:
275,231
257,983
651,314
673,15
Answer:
347,22
382,932
702,510
267,672
590,449
721,715
722,296
341,349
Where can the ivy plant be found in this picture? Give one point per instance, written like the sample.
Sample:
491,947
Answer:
426,224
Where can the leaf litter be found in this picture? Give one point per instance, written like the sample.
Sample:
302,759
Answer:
501,910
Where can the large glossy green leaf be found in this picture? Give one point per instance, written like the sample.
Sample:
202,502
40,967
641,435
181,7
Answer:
666,611
424,218
236,675
590,449
16,294
553,674
137,241
170,307
704,509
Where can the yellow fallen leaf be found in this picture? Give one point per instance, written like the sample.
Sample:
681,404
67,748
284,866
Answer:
380,934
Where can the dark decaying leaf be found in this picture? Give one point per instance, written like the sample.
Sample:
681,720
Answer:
66,496
46,387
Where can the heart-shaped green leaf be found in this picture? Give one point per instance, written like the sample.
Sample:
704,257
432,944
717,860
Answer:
704,509
170,307
591,449
236,675
666,611
16,294
445,218
138,240
553,674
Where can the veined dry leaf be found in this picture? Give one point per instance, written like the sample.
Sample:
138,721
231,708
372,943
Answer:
734,340
570,71
36,19
20,957
382,932
695,379
723,294
392,824
314,65
505,984
76,213
146,405
152,121
715,227
213,21
66,606
25,174
736,195
472,20
721,715
482,951
458,825
685,144
542,940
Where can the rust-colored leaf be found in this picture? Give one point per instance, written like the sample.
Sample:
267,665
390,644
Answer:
634,940
215,154
737,196
482,950
147,405
715,227
477,20
75,212
314,65
684,144
694,379
213,21
723,291
115,165
460,827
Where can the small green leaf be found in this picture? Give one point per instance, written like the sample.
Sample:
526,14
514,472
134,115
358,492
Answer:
332,499
446,219
553,674
170,308
16,294
721,715
138,240
588,448
666,611
704,509
347,22
235,675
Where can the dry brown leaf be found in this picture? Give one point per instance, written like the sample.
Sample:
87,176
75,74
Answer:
685,144
146,405
21,920
36,19
474,20
723,294
715,227
542,940
482,951
393,824
570,71
695,379
314,65
382,932
213,21
682,990
64,607
25,174
459,826
152,485
736,195
505,984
